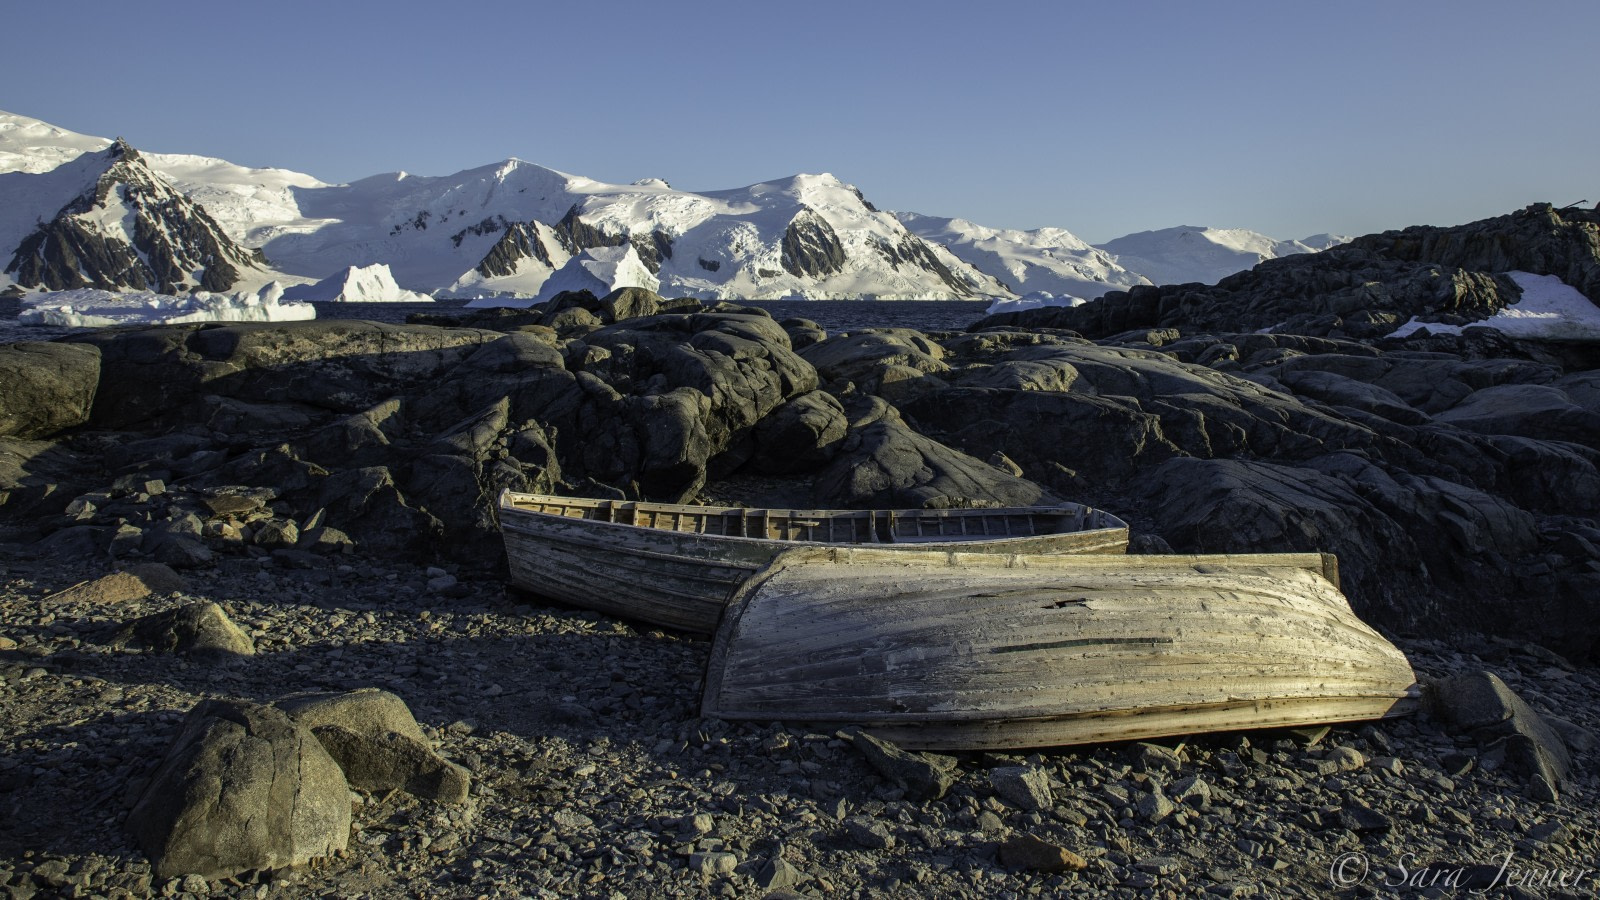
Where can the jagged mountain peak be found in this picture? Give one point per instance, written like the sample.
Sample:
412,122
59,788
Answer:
125,228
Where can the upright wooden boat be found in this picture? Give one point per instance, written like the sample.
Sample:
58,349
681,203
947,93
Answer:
677,565
956,650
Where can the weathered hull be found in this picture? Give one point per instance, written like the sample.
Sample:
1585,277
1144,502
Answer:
684,578
956,651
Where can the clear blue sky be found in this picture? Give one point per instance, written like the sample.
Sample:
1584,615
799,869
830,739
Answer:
1103,118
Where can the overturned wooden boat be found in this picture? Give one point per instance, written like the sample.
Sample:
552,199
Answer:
677,565
950,650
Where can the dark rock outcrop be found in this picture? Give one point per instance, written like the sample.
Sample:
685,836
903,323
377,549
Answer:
46,387
1539,239
884,464
520,241
339,365
811,248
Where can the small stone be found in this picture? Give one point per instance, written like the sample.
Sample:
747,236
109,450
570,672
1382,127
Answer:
1388,764
1348,759
1156,758
1192,791
442,583
1026,851
922,776
778,873
1023,787
713,862
1155,807
1553,833
1363,819
1158,865
868,833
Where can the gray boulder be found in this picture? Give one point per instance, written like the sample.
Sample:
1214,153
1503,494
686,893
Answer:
883,464
242,788
194,629
923,776
629,303
46,387
800,435
1479,704
371,734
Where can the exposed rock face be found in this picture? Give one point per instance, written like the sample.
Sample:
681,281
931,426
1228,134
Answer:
1540,239
333,364
169,239
1340,292
1363,289
46,387
811,247
520,241
912,251
579,235
243,787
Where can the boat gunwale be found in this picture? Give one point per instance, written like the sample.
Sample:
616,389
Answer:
1075,509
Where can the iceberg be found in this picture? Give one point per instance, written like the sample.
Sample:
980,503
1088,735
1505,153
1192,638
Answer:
598,270
93,308
357,284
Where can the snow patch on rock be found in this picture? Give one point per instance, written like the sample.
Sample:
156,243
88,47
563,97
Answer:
1550,310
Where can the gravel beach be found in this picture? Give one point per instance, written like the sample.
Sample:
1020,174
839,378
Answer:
593,775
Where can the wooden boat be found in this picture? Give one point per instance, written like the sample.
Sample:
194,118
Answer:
677,565
951,650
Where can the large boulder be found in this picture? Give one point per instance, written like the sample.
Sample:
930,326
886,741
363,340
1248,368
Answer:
371,735
46,387
366,504
242,788
882,464
195,629
335,364
1479,704
800,435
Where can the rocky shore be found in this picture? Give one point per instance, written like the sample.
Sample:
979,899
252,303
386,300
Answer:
592,775
276,538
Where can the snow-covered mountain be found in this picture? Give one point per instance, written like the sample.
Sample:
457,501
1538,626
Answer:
1052,260
107,220
1208,255
504,229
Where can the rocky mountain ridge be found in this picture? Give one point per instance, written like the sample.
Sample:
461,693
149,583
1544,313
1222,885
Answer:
130,229
504,228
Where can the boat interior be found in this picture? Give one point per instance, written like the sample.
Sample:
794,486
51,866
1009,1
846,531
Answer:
833,526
